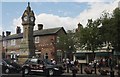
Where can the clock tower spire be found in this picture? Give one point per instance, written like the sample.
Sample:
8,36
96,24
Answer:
28,22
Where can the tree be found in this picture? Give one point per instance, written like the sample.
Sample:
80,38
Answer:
116,24
110,29
66,44
89,37
107,30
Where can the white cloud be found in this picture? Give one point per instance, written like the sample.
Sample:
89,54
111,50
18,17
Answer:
16,22
92,0
95,11
50,21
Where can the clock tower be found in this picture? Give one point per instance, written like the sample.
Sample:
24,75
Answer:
28,22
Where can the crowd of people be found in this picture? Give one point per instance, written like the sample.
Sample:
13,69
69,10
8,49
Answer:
103,62
74,66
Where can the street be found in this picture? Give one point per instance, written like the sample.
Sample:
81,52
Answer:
64,75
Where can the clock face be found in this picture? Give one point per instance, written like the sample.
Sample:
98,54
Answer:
25,18
32,19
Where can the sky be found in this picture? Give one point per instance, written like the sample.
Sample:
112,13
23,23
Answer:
53,13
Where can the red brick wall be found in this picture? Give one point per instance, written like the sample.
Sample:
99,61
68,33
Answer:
46,45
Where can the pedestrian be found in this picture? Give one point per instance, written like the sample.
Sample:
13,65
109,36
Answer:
53,62
118,70
74,68
74,71
76,63
68,65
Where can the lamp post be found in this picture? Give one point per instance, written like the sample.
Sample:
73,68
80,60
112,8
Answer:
111,66
95,62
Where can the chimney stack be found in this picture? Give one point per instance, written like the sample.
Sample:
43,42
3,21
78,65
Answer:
40,26
18,30
79,27
8,33
3,34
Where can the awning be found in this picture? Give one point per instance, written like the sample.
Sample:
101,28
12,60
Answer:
116,53
79,54
96,53
103,54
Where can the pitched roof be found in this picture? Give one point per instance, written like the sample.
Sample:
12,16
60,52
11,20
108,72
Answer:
36,33
47,31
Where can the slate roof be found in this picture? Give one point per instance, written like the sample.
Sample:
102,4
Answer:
49,31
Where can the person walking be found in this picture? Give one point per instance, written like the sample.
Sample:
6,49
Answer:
68,65
74,68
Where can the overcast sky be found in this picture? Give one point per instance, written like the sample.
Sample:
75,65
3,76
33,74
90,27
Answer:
53,13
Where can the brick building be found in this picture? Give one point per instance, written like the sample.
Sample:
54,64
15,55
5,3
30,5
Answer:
40,43
45,42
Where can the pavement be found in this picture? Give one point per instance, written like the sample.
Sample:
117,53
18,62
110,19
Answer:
63,75
66,74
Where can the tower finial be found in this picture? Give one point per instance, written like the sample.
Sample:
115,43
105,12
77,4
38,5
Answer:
28,7
28,3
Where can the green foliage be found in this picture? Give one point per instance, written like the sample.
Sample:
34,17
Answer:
88,37
111,28
66,42
93,36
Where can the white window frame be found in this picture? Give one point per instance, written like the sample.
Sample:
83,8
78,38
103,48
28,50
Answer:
37,39
13,42
58,39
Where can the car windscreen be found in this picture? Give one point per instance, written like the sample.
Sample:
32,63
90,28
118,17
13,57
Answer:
47,62
34,61
4,62
7,61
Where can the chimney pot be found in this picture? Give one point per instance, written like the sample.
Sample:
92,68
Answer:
3,34
18,30
8,33
40,26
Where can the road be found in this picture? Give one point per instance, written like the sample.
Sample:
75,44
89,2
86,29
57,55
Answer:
64,75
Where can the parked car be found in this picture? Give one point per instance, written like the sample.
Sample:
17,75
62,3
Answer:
45,67
9,67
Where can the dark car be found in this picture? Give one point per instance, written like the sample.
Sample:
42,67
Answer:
9,67
45,67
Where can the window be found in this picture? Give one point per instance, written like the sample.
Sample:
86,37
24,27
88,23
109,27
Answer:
33,60
37,39
21,39
13,42
46,55
4,43
58,39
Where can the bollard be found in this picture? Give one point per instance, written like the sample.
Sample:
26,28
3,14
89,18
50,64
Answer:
74,71
95,67
112,74
23,72
118,73
81,68
68,68
118,70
